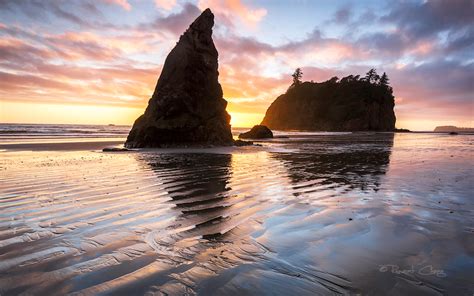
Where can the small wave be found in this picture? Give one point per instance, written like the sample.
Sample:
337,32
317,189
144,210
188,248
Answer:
19,132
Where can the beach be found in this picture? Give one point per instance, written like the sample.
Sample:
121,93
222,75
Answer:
311,213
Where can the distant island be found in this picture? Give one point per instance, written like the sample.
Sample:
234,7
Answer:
452,128
351,103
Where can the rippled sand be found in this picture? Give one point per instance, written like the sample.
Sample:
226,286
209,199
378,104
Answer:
311,214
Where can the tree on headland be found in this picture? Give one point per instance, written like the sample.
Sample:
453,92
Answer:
297,76
372,76
350,78
384,80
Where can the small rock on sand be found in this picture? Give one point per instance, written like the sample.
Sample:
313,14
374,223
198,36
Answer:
115,149
257,132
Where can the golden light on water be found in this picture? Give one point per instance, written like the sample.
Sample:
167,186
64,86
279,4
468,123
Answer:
240,119
13,112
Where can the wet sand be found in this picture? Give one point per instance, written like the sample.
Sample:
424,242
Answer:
363,214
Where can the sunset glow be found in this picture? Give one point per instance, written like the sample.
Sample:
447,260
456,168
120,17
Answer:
98,61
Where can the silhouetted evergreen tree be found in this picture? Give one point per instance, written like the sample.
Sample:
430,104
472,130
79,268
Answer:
376,79
297,76
372,76
384,81
350,78
347,79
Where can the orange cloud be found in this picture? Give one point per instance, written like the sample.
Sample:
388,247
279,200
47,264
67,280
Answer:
229,8
78,45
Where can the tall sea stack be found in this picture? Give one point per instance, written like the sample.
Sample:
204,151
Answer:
187,106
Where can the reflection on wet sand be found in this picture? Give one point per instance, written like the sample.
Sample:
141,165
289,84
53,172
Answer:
221,202
314,215
197,189
355,160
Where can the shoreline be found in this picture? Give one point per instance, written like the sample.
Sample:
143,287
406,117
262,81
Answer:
99,145
80,143
60,146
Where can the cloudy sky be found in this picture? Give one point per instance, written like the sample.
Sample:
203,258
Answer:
91,61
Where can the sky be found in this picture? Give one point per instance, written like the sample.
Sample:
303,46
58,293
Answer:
97,62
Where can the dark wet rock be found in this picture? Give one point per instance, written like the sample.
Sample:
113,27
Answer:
257,132
242,143
402,130
187,106
453,133
348,105
115,149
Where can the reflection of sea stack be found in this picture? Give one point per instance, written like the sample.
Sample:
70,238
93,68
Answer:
187,107
336,159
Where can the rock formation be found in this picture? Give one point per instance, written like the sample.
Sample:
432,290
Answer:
351,104
451,128
257,132
187,107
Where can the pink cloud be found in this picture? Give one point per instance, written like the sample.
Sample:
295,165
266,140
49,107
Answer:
229,8
165,4
122,3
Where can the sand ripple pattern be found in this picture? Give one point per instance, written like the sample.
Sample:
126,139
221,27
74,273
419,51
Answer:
91,223
307,219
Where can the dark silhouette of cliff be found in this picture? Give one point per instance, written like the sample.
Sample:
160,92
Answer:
187,107
349,104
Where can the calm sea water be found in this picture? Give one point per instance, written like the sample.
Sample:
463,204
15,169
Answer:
20,132
305,214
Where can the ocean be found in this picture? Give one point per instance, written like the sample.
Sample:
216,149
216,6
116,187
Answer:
31,132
